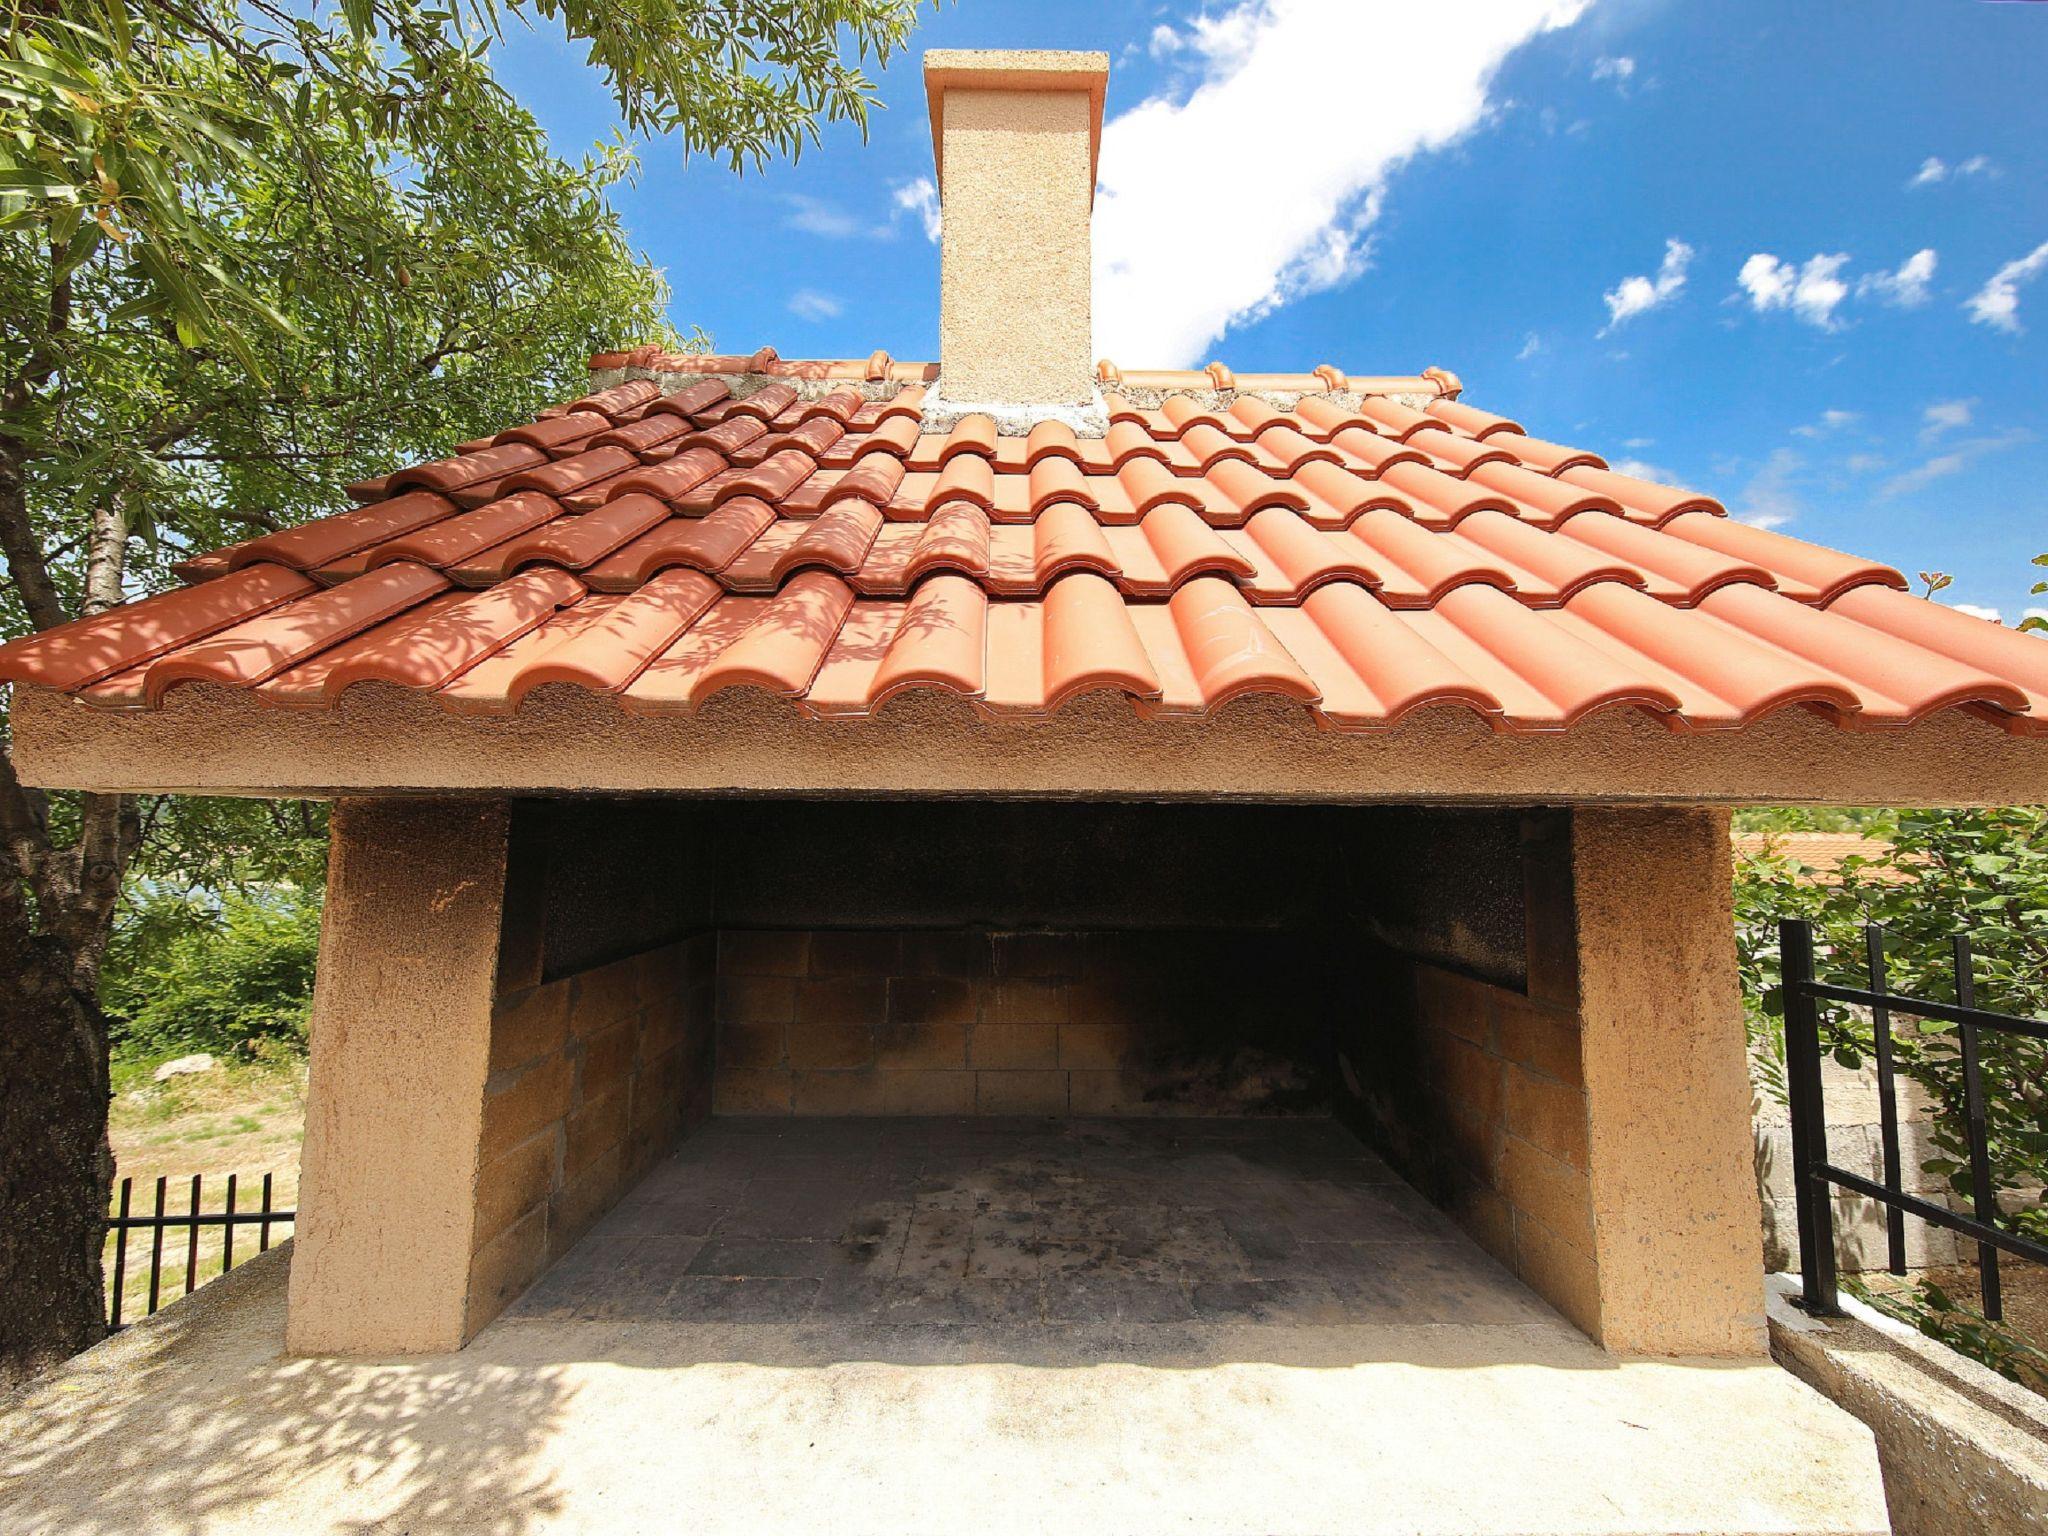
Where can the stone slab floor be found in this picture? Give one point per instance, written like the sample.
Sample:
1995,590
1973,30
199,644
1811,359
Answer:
995,1326
1015,1226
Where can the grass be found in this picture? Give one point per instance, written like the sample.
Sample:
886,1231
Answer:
243,1117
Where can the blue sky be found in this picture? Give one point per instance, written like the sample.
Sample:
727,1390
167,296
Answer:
1688,236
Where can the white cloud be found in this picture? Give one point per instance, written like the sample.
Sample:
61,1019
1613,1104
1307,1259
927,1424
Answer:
1944,416
1643,469
1633,296
1915,480
1997,303
1830,421
919,197
1934,169
810,304
1767,280
1812,291
1175,269
1531,345
1772,499
1164,42
1619,68
1978,611
1957,458
817,216
1224,42
1907,287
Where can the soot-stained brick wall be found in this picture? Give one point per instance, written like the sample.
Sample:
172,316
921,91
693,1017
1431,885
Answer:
955,1022
1475,1091
999,957
620,876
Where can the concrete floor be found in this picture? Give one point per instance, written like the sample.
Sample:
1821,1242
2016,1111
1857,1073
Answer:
889,1326
1027,1224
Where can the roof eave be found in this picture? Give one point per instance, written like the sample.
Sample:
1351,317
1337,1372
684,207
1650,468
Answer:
384,740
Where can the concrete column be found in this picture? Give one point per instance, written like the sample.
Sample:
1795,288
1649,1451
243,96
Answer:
401,1042
1676,1226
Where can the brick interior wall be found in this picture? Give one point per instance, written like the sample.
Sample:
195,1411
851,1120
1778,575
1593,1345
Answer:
1489,1120
593,1078
953,1022
1475,1091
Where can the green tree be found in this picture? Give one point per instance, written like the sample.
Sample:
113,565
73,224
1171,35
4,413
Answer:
251,250
188,972
1936,874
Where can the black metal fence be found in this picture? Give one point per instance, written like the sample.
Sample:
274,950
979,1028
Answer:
189,1221
1815,1178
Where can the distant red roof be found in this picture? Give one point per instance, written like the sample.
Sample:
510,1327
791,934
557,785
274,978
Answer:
1310,535
1822,853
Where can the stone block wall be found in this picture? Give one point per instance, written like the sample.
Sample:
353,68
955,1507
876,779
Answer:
593,1078
1855,1142
971,1022
1476,1091
1488,1117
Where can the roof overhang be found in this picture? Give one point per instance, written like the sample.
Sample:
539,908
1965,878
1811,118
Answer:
381,739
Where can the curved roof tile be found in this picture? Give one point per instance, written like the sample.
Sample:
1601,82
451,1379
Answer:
1364,555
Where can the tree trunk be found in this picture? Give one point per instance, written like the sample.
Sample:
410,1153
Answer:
56,909
55,1163
106,559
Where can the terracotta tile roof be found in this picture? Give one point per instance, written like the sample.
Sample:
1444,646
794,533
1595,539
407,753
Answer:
1368,547
1822,853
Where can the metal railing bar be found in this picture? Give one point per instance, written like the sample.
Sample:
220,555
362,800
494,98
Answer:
1815,1205
121,1252
123,1221
204,1219
1815,1178
1940,1216
156,1247
192,1242
1982,1196
1925,1008
1887,1100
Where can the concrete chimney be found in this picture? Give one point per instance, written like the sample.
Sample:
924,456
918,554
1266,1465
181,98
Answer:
1015,135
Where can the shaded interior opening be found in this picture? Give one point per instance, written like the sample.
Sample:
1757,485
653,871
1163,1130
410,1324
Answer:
1401,975
1008,957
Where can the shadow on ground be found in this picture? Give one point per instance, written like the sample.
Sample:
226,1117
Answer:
194,1422
891,1326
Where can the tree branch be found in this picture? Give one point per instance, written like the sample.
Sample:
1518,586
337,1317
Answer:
25,560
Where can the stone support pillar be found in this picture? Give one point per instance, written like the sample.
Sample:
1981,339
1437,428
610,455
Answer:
1678,1259
401,1048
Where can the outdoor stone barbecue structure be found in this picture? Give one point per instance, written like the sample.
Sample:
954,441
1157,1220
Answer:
1021,736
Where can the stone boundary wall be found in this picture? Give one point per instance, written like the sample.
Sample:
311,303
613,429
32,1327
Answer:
593,1078
970,1022
1964,1451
